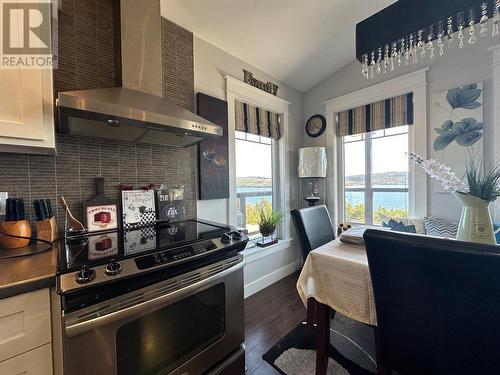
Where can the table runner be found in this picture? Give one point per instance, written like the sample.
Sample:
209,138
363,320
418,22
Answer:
337,274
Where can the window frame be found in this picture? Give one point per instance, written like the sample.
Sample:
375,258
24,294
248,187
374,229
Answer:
415,82
239,90
274,171
368,189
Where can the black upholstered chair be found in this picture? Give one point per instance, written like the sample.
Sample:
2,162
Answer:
437,302
313,226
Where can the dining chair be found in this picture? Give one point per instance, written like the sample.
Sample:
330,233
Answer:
437,304
314,228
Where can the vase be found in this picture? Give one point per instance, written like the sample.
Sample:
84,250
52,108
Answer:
475,223
267,231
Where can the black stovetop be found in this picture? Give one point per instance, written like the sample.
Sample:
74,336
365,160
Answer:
99,248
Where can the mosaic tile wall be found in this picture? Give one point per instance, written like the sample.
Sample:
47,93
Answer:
89,57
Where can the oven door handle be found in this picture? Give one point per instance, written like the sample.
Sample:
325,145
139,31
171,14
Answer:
83,326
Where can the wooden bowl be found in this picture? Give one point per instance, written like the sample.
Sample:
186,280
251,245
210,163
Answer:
14,228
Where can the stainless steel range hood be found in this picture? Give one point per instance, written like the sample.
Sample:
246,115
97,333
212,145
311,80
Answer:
130,115
136,112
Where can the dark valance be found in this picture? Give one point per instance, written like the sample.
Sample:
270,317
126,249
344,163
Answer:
389,113
255,120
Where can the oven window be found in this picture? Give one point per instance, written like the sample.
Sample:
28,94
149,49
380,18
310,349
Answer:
160,341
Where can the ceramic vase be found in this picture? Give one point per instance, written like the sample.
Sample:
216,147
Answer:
267,231
475,223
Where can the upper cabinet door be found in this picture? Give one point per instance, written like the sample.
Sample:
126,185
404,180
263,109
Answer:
26,93
21,104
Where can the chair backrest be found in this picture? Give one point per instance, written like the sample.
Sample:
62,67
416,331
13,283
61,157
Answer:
313,226
437,302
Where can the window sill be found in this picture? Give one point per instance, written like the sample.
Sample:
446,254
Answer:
254,253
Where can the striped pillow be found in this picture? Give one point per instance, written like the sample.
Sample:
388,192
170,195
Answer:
438,227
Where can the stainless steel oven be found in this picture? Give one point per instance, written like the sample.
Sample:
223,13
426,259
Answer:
181,325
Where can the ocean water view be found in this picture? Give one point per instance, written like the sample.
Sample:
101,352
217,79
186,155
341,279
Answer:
253,200
388,200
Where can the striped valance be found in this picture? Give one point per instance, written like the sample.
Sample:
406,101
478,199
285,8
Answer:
389,113
255,120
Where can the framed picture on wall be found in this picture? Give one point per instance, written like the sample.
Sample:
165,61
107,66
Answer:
213,154
457,127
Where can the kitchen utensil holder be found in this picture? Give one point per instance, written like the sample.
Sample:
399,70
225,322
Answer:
20,228
47,230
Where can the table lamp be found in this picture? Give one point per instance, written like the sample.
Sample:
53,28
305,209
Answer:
312,165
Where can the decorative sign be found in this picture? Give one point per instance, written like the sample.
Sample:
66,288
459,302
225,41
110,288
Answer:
170,204
101,217
138,208
269,87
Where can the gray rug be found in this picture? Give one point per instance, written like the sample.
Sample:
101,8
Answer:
351,352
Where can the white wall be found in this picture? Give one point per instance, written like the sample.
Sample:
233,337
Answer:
211,65
456,67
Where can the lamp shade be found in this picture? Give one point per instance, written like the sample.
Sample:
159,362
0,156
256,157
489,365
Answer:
312,162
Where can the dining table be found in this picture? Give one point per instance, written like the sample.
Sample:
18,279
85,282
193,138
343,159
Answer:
335,277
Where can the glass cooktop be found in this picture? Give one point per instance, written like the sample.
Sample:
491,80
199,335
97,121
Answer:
100,248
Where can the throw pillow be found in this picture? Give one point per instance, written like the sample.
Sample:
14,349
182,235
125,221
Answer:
416,222
439,227
399,227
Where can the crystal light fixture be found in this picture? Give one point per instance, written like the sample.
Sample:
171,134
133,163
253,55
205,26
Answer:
449,31
483,20
460,25
432,40
496,18
472,30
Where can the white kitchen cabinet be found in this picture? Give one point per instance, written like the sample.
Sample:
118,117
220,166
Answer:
35,362
26,111
24,323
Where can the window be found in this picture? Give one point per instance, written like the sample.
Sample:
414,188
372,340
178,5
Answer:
376,175
254,179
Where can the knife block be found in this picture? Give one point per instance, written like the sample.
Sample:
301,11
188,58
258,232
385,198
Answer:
19,228
47,230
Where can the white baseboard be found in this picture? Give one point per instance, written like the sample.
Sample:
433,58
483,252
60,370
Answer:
271,278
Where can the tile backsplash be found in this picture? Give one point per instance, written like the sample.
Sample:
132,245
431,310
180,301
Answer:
80,159
89,57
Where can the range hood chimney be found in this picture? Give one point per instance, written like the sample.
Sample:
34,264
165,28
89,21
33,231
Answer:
136,112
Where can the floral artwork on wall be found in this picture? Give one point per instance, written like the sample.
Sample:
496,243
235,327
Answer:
457,126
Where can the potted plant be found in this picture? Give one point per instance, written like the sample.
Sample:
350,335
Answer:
268,221
480,188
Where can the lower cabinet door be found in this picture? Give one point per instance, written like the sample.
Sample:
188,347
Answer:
35,362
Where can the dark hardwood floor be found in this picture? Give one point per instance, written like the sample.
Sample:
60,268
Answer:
269,315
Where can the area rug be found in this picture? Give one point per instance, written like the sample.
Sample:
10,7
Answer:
351,352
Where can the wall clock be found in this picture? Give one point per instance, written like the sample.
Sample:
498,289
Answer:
316,125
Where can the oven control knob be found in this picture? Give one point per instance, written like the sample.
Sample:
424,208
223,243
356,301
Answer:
114,268
237,235
225,238
84,275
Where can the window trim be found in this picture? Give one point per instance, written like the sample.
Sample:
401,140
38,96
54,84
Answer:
417,182
368,189
274,165
239,90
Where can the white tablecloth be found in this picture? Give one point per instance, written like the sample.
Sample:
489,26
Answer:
337,274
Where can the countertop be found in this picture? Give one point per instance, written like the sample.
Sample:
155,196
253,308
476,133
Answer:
28,273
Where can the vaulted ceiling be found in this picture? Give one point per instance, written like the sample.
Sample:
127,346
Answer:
300,42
